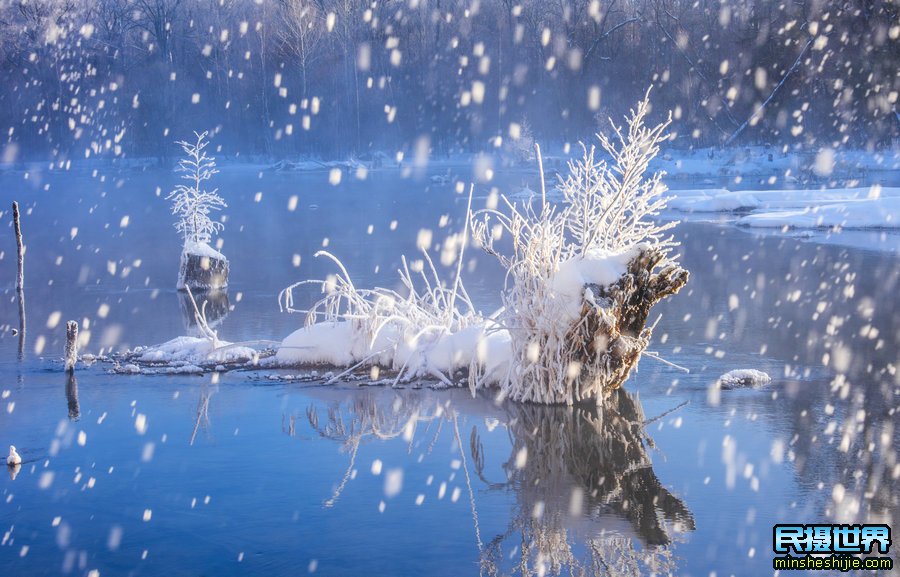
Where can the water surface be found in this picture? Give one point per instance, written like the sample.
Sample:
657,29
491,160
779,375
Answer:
137,475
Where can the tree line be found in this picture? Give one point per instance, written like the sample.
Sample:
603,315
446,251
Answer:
88,78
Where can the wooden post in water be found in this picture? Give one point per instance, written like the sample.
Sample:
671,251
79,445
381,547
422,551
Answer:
20,278
20,247
71,346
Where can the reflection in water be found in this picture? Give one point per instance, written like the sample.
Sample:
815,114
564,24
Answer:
213,304
202,417
828,316
587,499
72,397
572,468
365,419
13,471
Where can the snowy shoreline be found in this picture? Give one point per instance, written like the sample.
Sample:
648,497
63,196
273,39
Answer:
866,208
794,166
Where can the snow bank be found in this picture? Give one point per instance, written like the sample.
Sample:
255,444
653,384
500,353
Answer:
328,343
311,164
852,208
427,353
761,161
714,200
195,351
852,214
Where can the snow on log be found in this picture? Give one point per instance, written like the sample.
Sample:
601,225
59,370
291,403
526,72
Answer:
607,340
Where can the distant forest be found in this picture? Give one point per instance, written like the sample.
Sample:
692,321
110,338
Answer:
88,78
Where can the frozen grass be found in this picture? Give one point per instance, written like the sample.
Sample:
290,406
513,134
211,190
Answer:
415,335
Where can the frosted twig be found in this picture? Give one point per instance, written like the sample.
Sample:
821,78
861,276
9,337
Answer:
656,356
665,413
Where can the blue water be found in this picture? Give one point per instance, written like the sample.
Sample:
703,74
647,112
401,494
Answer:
249,476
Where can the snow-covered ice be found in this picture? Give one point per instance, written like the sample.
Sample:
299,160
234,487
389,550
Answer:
743,378
848,208
850,214
712,200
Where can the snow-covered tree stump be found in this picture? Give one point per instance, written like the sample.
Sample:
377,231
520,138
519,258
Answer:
612,331
202,268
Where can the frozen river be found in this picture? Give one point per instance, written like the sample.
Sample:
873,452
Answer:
138,475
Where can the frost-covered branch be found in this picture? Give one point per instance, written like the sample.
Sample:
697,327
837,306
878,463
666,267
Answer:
191,203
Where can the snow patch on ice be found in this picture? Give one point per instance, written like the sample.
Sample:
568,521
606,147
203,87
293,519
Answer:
848,208
743,378
851,214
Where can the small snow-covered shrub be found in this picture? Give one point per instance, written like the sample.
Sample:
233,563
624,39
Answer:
202,267
191,203
520,144
585,273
